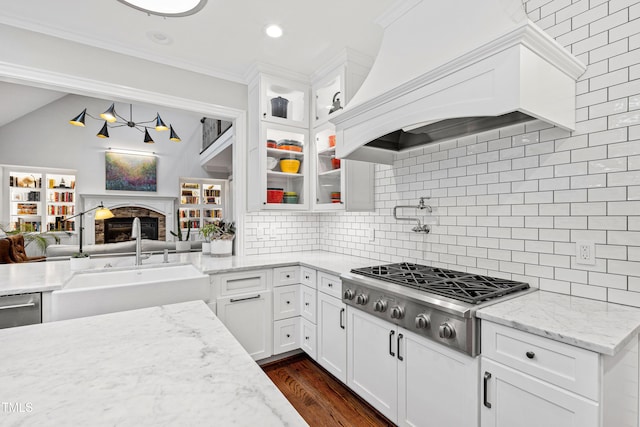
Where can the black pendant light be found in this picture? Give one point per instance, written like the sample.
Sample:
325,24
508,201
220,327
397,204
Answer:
110,114
104,132
79,119
173,136
147,137
160,126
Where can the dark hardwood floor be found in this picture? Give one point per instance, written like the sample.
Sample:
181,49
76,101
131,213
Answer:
319,397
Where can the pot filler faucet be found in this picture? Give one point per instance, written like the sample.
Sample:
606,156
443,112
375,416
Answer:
419,228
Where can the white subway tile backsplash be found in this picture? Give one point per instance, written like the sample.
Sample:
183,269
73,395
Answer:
608,51
624,297
608,108
587,291
557,286
589,181
586,42
618,164
631,88
615,5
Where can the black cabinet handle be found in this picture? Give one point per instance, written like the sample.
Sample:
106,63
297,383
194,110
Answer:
398,347
306,338
288,336
530,354
288,302
288,276
487,377
307,304
391,334
341,315
264,114
330,285
306,277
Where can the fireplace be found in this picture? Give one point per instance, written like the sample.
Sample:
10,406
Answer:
125,208
119,229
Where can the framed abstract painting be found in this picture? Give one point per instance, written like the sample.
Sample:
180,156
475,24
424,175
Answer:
130,172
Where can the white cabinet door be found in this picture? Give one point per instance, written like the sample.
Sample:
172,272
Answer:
519,400
286,335
286,302
308,338
308,306
372,361
248,318
435,384
332,337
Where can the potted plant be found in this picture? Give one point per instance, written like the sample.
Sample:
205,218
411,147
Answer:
80,261
207,231
222,238
182,246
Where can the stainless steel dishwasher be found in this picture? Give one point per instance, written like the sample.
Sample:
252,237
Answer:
19,310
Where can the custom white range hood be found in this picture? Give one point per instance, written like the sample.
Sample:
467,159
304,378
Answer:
447,69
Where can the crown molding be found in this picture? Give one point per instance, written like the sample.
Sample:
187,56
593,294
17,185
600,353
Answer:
51,31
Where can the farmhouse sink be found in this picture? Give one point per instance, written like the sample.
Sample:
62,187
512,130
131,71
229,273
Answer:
91,293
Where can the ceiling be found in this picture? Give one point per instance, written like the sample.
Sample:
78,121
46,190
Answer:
222,40
24,100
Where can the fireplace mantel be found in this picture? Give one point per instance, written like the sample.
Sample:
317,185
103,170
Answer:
164,205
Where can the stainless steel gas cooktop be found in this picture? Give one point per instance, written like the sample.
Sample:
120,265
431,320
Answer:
461,286
435,302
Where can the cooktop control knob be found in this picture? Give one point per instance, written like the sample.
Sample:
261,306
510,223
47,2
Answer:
380,305
397,312
423,321
446,331
362,299
349,294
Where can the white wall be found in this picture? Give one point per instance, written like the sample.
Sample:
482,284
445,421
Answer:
45,138
512,203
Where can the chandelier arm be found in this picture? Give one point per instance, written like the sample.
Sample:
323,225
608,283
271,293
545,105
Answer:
149,121
120,117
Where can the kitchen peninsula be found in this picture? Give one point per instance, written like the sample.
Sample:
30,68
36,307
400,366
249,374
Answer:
168,365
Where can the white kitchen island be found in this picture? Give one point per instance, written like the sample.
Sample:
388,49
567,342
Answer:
168,365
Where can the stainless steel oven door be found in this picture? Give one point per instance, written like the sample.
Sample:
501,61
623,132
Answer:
19,310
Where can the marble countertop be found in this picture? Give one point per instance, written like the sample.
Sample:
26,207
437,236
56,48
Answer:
168,365
593,325
47,276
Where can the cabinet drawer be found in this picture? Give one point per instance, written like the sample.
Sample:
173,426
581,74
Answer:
308,306
329,284
308,277
286,302
283,276
286,335
242,282
564,365
308,338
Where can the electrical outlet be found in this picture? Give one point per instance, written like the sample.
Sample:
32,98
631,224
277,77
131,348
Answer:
585,253
371,234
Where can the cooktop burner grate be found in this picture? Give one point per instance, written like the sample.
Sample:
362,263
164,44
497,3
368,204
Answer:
467,287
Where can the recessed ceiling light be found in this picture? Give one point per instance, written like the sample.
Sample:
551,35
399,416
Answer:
273,31
170,8
159,37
